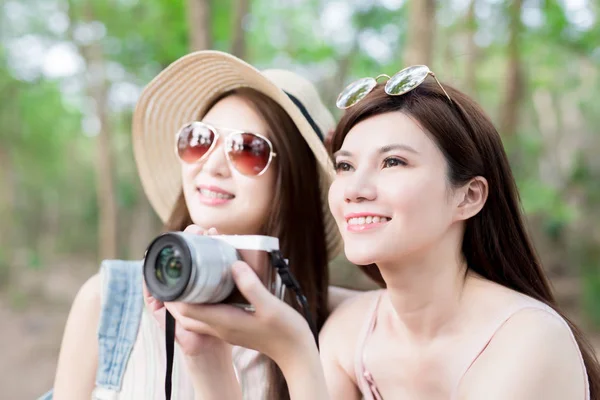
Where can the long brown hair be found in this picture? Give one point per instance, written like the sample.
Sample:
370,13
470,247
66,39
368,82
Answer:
296,217
495,243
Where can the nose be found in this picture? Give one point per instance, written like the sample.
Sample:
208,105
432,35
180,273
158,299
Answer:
216,163
359,188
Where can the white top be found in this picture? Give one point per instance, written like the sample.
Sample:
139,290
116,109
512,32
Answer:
144,377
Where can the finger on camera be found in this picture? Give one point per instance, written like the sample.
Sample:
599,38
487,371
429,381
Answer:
209,319
250,285
184,316
149,300
198,230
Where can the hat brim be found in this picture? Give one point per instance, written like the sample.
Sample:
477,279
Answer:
181,93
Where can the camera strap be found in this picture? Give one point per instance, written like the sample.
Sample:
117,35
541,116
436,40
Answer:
290,282
170,347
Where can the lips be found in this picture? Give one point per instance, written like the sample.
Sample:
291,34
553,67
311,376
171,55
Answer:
365,218
357,222
214,195
369,219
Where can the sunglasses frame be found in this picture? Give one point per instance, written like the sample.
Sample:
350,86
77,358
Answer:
386,89
228,145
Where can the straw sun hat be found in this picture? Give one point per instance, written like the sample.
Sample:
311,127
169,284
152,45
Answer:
183,91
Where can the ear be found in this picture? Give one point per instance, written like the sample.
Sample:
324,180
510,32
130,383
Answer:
471,198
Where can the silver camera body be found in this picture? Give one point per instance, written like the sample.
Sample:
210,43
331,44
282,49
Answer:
194,268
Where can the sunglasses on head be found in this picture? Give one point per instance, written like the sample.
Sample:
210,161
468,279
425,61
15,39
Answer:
402,82
249,153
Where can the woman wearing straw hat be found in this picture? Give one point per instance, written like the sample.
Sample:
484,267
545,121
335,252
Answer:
113,346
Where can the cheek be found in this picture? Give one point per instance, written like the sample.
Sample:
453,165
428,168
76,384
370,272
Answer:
256,193
187,181
335,197
416,197
189,172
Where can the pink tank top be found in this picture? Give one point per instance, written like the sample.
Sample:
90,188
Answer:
366,382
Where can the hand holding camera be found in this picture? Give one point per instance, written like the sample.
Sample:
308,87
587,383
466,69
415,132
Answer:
202,339
273,328
230,287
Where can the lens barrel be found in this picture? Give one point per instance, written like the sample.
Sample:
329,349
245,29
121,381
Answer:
189,268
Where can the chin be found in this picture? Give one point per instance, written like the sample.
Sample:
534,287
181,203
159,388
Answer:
360,255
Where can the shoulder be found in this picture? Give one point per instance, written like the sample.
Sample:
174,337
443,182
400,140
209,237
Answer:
340,333
87,304
532,355
338,295
349,312
543,334
77,361
89,295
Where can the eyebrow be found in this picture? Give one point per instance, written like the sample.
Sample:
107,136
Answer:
382,150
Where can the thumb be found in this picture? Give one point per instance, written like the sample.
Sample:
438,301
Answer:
250,286
149,300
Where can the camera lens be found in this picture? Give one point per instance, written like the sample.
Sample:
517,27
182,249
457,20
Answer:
190,268
168,265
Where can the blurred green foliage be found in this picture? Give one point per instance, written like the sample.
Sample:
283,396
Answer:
48,125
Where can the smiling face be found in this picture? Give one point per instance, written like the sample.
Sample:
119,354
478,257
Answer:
391,197
216,194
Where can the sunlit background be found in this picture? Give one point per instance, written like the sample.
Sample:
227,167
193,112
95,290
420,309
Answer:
71,72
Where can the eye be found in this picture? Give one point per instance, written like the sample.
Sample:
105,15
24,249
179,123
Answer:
342,166
393,162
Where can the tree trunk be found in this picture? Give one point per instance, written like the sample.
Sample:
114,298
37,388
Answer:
7,213
336,83
509,113
200,24
238,42
421,30
471,67
142,226
97,88
104,173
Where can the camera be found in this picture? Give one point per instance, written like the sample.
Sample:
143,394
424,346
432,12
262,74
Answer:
194,268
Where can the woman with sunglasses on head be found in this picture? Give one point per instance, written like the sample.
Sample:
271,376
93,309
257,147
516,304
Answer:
248,160
426,202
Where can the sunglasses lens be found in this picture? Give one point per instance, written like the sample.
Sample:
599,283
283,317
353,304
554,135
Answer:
249,153
406,80
193,142
355,92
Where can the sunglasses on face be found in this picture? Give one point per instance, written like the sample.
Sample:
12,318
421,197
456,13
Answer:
249,153
402,82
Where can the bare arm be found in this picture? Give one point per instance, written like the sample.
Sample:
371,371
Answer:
213,376
339,384
303,372
531,357
338,342
208,359
274,329
78,358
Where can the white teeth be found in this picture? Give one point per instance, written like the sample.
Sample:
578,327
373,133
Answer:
367,220
215,195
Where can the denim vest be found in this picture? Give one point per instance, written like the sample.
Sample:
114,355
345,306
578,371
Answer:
120,316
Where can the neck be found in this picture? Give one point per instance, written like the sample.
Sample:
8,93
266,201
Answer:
425,290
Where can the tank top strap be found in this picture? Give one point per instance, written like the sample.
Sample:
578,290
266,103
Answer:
477,346
365,381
